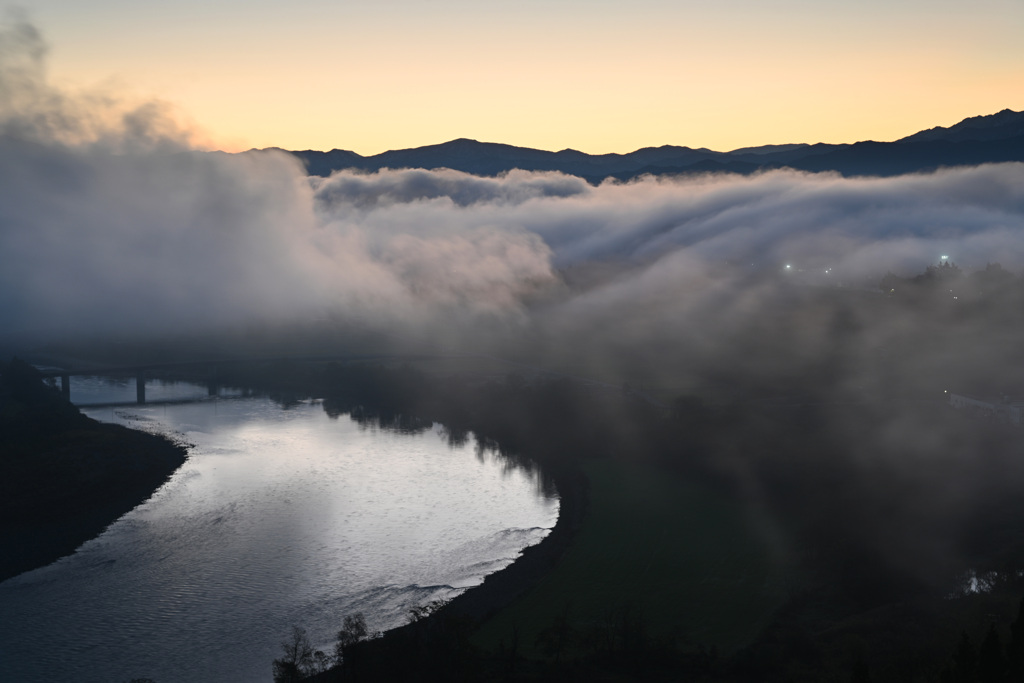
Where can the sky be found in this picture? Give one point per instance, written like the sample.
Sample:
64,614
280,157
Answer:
598,76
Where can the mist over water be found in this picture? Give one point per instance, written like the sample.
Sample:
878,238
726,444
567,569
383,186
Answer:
748,289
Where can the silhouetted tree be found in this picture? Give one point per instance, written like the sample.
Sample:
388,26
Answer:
1015,648
991,664
300,659
965,661
555,638
859,672
353,631
991,280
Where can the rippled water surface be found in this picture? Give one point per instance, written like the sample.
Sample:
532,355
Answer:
279,517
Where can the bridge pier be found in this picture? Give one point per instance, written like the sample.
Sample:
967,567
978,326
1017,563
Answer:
65,387
140,387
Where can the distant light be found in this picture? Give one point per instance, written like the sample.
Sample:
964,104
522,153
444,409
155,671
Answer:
787,265
943,258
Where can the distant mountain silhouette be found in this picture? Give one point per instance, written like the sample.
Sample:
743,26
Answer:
975,140
1005,124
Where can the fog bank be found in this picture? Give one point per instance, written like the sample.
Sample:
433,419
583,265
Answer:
112,223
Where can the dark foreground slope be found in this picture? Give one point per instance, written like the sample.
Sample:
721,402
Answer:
65,477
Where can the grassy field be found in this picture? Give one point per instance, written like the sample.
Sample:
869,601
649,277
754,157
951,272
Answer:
677,554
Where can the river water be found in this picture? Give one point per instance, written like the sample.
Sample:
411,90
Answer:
279,517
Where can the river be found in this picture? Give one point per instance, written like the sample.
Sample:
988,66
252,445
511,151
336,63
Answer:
279,517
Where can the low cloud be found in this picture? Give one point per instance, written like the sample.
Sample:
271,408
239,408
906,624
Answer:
113,224
353,190
111,221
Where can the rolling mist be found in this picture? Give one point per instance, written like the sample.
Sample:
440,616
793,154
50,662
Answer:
740,290
113,223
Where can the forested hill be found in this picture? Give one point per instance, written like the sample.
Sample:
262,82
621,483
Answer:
980,139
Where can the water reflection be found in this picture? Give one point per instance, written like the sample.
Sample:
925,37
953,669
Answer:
376,418
279,517
92,390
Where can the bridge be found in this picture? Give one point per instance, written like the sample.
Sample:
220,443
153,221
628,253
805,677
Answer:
141,371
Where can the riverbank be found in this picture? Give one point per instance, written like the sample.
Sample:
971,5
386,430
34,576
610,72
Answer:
676,559
500,589
433,635
63,476
638,560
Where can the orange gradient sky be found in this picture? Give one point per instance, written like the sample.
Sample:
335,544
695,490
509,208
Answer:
597,75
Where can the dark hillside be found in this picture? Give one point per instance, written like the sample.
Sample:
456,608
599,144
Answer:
1000,126
65,477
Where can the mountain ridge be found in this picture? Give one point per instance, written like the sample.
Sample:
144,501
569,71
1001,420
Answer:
975,140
